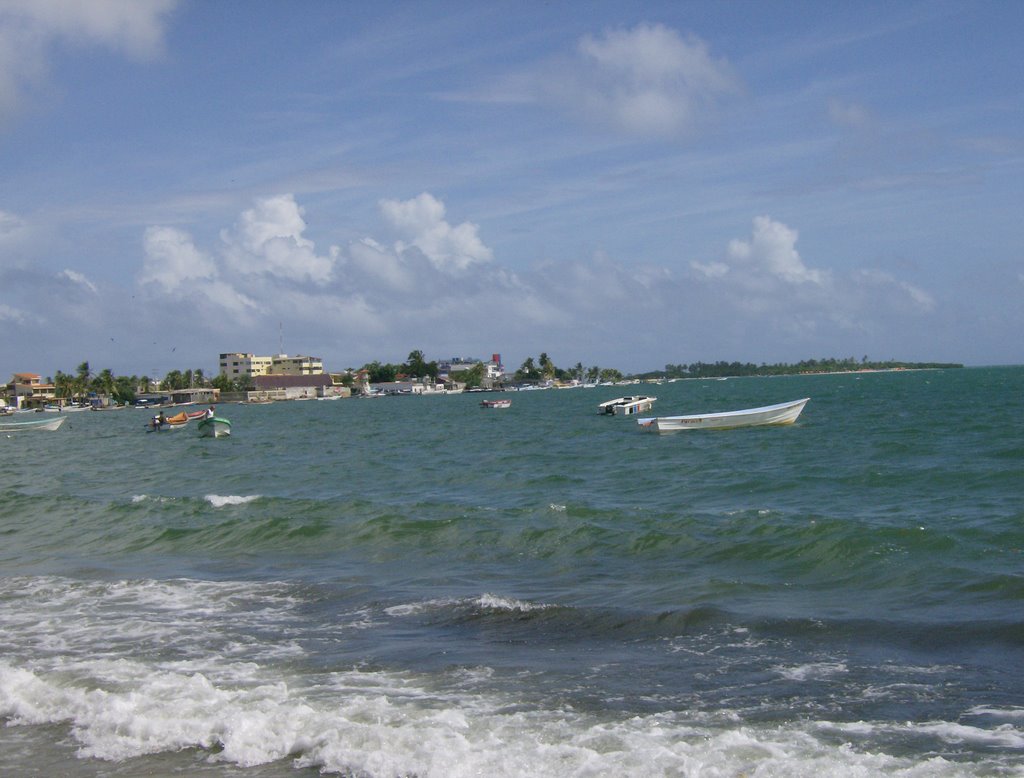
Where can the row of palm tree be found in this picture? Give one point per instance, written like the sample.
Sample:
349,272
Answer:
545,370
83,383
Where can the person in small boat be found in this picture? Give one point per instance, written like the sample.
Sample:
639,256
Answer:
159,420
210,412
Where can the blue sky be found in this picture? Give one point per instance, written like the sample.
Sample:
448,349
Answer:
618,184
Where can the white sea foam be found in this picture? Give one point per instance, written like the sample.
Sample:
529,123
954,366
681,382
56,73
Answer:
495,602
814,671
383,725
1000,713
1004,735
485,601
219,501
132,668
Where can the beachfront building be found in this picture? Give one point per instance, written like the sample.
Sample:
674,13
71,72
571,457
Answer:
27,390
278,386
283,364
238,365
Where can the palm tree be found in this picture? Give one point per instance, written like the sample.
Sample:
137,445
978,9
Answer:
104,383
64,385
82,379
547,367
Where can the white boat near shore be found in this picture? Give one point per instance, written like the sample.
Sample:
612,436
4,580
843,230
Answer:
768,415
49,424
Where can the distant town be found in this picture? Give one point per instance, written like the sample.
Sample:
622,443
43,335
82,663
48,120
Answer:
247,377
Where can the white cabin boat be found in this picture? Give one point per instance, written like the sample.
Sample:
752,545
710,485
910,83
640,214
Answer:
626,406
782,413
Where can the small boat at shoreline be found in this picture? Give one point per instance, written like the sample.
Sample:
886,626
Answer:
214,427
48,424
506,403
768,415
626,406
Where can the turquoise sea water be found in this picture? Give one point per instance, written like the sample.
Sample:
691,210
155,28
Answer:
415,586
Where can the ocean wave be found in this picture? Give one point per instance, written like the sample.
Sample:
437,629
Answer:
381,724
219,501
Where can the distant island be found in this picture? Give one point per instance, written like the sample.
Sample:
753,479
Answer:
805,367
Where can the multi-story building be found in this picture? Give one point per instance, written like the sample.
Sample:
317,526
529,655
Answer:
286,365
27,390
237,365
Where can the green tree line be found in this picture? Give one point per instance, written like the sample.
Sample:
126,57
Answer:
827,365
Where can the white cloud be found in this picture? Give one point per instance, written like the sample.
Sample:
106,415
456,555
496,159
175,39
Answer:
710,269
172,259
174,266
421,220
880,280
372,259
384,299
772,250
647,81
29,28
78,278
13,315
268,239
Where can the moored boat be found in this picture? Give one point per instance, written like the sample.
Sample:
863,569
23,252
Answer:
626,406
506,403
768,415
48,424
178,419
214,427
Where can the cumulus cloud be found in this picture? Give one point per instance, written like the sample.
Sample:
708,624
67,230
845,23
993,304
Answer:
440,289
172,259
422,221
30,28
647,81
772,250
370,258
268,239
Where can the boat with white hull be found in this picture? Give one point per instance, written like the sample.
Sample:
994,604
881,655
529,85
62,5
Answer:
49,424
626,406
214,427
768,415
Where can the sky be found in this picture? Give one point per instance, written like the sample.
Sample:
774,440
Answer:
622,185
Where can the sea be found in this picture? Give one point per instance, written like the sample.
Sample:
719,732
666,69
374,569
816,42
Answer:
420,587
